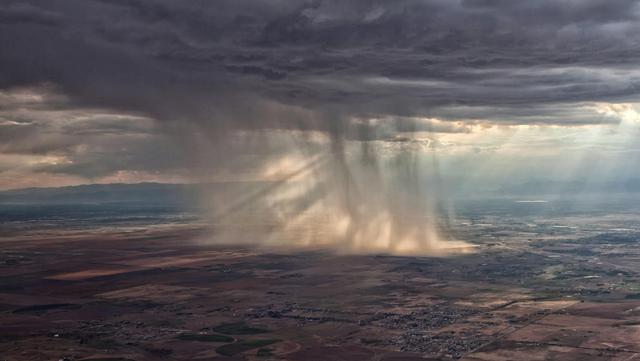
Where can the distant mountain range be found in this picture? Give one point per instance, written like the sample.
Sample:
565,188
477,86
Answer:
103,193
146,193
163,193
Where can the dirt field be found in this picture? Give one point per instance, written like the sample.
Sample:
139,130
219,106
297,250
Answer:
164,295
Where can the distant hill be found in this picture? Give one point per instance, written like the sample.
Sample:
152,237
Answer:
100,204
156,193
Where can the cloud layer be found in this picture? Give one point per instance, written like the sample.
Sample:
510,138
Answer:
109,85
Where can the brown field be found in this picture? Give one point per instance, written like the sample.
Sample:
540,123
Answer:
163,294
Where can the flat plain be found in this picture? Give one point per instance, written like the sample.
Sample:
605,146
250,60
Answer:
534,288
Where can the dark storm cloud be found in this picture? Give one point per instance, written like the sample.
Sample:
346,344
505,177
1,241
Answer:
22,13
357,57
211,66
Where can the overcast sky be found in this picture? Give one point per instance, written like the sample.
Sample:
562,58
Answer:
200,90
